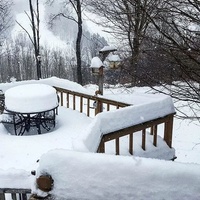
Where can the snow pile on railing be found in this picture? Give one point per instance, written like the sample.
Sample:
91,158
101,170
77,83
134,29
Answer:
106,122
15,178
92,176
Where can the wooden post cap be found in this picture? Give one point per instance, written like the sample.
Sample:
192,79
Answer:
45,183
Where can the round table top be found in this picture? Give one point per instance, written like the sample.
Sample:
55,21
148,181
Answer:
31,98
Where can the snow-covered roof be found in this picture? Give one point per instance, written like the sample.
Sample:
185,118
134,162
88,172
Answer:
114,58
96,63
108,48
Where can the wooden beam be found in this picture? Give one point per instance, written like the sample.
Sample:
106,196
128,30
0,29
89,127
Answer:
61,98
101,148
144,139
88,107
81,104
67,100
155,131
74,102
135,128
117,146
131,143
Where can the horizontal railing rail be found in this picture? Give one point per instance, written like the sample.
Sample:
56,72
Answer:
90,105
129,131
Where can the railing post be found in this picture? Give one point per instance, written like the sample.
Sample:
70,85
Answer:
99,107
61,98
67,100
144,139
101,148
13,195
74,102
131,143
2,196
117,146
81,104
168,130
88,107
155,131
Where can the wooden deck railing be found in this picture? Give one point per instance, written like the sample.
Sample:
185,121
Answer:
92,105
85,103
129,131
14,194
88,104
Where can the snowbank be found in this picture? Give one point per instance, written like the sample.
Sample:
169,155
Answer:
92,176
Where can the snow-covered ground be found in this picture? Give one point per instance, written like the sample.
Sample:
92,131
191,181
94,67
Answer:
18,156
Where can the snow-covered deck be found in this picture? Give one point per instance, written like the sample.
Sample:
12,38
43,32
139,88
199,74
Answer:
76,131
72,132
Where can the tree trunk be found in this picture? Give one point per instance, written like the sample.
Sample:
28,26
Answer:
78,44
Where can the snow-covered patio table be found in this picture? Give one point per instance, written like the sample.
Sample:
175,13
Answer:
31,108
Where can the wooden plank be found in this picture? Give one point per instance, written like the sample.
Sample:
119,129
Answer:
14,196
168,131
67,100
101,148
61,98
131,143
151,130
88,107
81,104
24,196
74,102
117,146
144,139
155,131
115,103
108,106
2,196
135,128
15,190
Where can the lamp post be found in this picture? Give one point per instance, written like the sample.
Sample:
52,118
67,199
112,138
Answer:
97,67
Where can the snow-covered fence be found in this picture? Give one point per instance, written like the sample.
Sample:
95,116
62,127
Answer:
85,103
125,122
129,131
14,194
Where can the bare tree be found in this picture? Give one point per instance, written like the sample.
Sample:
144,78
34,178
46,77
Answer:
178,26
34,18
77,18
5,15
128,22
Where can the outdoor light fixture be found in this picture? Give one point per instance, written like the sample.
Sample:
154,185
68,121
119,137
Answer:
96,66
114,61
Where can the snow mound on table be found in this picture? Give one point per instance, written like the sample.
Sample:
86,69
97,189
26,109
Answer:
30,98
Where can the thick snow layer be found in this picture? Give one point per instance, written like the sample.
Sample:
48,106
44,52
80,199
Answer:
96,63
107,122
152,179
31,98
53,81
92,176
